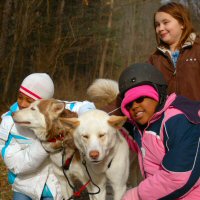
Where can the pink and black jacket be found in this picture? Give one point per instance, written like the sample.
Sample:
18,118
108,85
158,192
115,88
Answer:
169,152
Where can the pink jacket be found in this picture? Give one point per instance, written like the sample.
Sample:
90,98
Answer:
169,154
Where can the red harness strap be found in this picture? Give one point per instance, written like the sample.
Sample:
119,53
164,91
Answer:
78,193
67,163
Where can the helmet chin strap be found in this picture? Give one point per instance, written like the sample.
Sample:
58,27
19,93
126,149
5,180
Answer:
162,91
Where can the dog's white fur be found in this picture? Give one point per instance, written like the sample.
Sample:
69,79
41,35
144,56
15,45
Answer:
103,91
104,149
97,137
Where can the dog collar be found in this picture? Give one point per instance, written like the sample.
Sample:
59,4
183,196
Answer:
59,137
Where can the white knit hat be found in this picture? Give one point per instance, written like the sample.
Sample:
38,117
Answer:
38,86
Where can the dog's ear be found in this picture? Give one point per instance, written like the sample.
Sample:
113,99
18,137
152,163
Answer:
58,107
117,121
70,122
68,114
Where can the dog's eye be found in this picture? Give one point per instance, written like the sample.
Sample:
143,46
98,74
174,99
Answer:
101,135
32,108
85,136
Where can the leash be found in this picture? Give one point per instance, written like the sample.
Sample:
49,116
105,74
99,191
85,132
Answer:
90,193
78,193
63,153
112,111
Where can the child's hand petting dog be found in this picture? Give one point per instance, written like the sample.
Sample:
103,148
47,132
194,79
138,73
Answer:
52,146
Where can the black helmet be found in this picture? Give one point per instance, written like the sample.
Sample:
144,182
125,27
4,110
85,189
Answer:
139,74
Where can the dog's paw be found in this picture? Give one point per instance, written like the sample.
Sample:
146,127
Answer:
51,147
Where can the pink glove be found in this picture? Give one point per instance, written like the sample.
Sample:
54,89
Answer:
131,195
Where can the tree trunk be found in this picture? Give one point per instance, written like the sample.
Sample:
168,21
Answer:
4,29
57,43
105,48
8,77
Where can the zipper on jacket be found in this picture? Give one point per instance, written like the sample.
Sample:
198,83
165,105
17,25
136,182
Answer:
142,133
140,151
168,57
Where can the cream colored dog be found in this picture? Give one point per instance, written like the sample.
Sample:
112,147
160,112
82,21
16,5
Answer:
105,94
104,150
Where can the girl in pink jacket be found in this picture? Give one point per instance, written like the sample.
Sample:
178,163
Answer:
166,133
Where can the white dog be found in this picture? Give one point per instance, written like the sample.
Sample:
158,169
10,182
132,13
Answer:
104,150
105,94
96,136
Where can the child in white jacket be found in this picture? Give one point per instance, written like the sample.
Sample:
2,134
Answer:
30,169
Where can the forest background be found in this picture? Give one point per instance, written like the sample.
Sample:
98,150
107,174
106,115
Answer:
75,42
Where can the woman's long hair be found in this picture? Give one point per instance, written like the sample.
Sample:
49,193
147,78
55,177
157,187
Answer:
182,15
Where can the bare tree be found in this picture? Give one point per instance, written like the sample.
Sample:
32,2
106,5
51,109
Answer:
105,47
4,28
57,43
